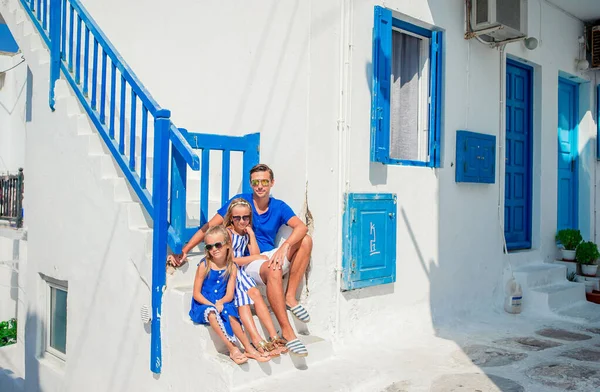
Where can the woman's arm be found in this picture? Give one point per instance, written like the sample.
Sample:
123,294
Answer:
198,281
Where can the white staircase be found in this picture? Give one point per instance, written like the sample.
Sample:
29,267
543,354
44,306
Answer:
546,290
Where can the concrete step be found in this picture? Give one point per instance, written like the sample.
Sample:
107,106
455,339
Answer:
539,274
582,311
555,296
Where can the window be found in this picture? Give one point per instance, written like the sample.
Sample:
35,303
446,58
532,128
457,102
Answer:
56,318
406,98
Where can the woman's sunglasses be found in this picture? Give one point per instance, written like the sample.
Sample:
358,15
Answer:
237,218
263,182
216,245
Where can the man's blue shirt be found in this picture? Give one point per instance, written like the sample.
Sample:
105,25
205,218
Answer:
265,225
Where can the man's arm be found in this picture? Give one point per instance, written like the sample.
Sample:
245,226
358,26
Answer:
299,231
197,238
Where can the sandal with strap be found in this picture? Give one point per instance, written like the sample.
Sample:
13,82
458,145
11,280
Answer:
260,357
267,347
237,357
279,344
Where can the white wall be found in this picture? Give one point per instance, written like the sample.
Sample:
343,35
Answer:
12,114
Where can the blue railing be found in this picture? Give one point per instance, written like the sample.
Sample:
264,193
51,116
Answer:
126,115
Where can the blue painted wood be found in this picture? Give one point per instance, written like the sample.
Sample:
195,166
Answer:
435,105
179,142
122,118
251,158
380,96
103,89
178,214
86,60
36,23
475,157
567,160
63,40
71,24
132,131
54,49
159,250
44,10
78,51
94,73
406,26
369,240
517,185
113,88
7,41
143,147
204,181
225,171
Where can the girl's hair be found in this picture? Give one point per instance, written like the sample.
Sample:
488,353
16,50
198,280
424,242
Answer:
229,264
228,220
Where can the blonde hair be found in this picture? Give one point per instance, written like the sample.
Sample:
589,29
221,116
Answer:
229,264
228,220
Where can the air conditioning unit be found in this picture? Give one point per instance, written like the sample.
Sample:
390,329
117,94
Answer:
500,20
595,47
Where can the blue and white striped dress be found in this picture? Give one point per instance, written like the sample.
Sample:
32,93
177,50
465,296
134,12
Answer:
239,244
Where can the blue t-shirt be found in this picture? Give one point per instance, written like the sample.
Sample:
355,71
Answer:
265,225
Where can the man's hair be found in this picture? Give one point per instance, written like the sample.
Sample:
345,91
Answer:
261,167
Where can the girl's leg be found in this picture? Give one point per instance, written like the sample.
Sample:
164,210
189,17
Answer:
248,322
250,351
262,311
233,350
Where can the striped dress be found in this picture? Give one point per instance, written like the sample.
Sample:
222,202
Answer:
239,244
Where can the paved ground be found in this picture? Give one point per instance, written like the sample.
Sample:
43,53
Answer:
505,353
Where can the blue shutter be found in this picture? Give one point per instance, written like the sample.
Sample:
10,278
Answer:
7,42
369,256
435,105
487,159
380,96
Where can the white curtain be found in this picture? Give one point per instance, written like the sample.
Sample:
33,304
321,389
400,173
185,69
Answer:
404,105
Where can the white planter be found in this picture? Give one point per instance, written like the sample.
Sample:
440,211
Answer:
589,270
568,255
589,286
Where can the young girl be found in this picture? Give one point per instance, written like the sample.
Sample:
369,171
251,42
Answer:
214,287
238,221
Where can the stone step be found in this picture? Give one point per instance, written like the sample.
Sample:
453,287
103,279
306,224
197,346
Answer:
539,274
554,297
584,311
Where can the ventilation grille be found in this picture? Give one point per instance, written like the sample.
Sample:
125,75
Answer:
508,12
596,47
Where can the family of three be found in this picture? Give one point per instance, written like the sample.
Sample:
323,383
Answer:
240,252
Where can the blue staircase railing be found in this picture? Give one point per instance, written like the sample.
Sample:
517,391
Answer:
125,114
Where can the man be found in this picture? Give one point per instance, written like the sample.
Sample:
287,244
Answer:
269,214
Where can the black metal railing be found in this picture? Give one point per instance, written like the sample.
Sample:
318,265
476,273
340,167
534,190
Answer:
11,198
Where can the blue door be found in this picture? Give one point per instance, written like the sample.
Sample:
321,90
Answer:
517,184
567,155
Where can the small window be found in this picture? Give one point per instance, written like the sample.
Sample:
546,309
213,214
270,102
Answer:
406,109
56,319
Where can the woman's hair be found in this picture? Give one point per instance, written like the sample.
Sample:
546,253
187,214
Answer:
228,220
229,264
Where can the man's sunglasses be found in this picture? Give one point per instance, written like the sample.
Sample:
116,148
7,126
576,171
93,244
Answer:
237,218
216,245
263,182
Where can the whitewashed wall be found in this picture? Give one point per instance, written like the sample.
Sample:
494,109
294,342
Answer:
12,114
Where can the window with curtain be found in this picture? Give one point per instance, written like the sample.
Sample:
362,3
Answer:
406,107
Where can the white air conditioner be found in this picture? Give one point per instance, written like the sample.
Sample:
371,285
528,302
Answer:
595,47
499,19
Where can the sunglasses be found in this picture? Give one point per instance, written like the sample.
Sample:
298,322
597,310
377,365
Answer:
237,218
263,182
216,245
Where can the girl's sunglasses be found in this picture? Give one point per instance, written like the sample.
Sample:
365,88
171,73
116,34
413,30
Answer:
237,218
216,245
263,182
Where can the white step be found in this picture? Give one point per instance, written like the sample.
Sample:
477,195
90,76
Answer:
585,311
555,296
539,274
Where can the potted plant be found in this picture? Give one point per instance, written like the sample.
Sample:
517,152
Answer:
586,255
569,238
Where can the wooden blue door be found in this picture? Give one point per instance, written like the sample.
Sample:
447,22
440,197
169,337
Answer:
567,154
517,184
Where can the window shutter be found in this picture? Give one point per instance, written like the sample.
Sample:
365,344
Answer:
435,105
381,68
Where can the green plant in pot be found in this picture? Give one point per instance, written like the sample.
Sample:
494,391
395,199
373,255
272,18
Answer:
570,239
586,255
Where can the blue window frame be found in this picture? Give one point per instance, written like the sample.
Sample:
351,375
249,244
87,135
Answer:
405,111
